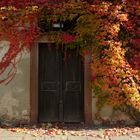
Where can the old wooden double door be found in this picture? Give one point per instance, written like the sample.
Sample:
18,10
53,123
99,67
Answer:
61,96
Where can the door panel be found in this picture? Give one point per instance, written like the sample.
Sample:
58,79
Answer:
73,88
48,84
60,86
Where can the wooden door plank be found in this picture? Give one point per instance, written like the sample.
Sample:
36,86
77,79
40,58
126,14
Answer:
48,84
73,88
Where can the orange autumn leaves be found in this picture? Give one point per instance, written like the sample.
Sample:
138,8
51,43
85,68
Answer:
111,71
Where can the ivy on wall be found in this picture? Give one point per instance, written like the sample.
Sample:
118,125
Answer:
109,30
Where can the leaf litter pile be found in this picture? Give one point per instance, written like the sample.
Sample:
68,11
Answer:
59,129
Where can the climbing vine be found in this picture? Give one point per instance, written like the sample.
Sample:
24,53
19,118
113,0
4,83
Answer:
115,64
109,30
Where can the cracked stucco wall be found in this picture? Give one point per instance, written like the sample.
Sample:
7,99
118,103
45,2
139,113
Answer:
14,97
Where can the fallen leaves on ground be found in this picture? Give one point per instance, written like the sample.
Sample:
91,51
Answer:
51,130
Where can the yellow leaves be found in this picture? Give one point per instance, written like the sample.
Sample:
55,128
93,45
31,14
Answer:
87,24
97,84
72,16
2,17
8,8
35,8
132,95
123,17
130,90
6,12
105,6
31,9
114,29
3,8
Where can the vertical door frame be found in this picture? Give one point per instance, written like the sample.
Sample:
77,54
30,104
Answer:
34,69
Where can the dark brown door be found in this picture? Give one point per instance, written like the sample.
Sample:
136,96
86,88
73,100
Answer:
61,97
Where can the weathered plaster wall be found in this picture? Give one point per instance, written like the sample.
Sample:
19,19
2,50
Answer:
14,97
109,115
